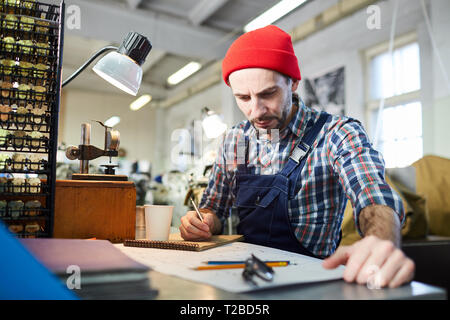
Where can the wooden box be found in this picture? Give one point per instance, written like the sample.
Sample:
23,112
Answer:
95,209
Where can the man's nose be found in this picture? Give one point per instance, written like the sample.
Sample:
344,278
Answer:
258,108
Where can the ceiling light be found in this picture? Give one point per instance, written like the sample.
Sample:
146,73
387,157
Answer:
273,14
111,122
140,102
184,72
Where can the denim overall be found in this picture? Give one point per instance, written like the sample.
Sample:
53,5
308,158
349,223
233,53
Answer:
262,200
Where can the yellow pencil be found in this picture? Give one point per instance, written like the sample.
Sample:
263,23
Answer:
237,266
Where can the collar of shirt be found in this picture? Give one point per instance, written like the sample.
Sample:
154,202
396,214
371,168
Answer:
266,153
298,123
296,126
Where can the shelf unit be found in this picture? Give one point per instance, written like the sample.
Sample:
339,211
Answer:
31,47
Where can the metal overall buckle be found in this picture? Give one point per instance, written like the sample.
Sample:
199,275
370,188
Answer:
299,152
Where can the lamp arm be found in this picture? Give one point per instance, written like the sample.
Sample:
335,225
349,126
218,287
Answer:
87,63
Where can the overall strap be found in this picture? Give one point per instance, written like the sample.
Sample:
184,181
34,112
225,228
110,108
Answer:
303,148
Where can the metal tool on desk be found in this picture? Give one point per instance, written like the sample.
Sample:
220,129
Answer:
86,152
254,266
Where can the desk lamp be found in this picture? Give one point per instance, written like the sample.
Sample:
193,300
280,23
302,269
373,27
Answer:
121,68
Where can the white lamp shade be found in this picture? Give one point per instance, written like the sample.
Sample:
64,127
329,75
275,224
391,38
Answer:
213,126
120,71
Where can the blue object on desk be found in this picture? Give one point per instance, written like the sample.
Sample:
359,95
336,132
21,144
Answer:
23,277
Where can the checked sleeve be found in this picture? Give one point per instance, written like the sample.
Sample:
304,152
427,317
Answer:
360,169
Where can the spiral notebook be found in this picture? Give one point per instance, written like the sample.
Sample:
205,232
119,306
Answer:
176,242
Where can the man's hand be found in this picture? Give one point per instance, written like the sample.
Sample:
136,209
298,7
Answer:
192,228
373,261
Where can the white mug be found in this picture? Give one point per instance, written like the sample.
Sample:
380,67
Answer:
157,222
140,223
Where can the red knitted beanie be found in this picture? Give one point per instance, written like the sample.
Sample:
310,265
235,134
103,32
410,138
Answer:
267,48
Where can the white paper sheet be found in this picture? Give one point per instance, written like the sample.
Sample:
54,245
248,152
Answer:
303,269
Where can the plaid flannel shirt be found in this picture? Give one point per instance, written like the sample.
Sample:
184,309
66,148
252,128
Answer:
342,165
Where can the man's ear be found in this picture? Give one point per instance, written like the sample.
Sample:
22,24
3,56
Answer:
295,84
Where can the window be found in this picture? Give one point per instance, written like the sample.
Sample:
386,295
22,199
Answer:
401,134
397,81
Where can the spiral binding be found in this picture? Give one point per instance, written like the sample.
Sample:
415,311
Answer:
175,245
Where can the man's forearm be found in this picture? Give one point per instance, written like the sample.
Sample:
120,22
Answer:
380,221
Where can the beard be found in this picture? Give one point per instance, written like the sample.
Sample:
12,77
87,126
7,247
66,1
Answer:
280,120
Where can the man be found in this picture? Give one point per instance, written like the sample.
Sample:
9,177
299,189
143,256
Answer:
289,170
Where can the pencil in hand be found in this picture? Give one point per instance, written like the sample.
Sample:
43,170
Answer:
196,209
